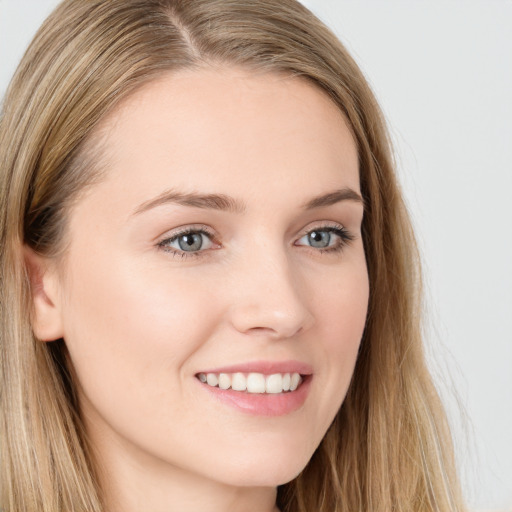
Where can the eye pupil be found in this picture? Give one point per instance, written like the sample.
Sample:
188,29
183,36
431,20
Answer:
190,242
319,239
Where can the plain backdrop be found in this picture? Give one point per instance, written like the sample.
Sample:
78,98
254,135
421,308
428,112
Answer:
442,70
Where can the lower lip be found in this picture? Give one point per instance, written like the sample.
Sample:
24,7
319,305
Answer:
263,404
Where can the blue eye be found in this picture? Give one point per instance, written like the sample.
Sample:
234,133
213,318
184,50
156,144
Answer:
319,239
189,241
326,238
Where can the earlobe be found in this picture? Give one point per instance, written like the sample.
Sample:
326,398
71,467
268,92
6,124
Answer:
46,317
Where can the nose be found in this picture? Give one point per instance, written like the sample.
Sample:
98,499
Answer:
270,298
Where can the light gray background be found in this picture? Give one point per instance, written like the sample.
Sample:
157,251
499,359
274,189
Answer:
442,70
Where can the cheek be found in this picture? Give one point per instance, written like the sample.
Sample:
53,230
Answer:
130,330
344,314
341,314
341,306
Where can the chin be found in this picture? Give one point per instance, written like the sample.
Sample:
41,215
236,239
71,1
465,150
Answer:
270,469
268,477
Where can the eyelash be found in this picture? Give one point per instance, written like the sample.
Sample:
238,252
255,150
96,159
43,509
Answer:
345,237
164,244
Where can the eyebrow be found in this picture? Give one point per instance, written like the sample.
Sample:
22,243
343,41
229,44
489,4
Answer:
344,194
205,201
224,202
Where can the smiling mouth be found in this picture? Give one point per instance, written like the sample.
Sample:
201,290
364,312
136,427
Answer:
254,383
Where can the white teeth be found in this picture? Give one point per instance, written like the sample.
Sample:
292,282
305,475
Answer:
256,383
224,381
274,383
286,382
239,382
294,382
253,382
212,379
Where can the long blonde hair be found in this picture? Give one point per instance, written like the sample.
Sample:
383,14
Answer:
389,448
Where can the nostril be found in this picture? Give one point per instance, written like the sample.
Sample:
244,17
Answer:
264,331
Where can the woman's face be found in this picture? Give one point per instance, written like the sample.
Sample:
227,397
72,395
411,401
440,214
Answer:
224,238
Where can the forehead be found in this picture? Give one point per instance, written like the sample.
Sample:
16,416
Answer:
228,130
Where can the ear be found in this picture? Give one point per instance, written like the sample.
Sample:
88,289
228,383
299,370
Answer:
46,317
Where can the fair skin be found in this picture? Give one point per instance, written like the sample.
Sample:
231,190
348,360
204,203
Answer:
270,280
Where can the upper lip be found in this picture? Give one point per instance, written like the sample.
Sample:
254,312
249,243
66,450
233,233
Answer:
265,367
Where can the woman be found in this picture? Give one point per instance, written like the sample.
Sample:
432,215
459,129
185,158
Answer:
210,287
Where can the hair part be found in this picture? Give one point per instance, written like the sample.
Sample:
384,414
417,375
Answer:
389,447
